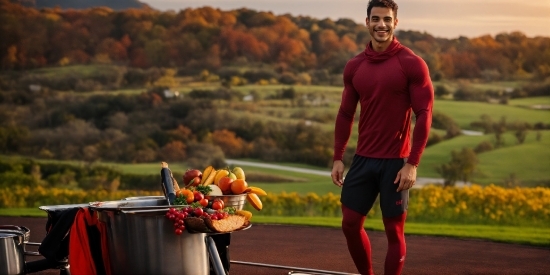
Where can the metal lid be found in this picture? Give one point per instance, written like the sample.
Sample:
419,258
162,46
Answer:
60,207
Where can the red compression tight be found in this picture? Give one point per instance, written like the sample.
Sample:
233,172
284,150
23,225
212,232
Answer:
359,244
395,257
357,239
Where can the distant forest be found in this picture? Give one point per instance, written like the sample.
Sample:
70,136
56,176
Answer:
193,40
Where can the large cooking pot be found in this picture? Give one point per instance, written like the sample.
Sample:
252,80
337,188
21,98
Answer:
12,252
13,242
142,241
26,231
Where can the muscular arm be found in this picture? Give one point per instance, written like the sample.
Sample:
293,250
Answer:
346,114
422,96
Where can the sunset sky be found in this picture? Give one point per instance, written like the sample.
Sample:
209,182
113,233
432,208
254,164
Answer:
441,18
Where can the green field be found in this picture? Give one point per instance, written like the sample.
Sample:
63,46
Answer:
465,113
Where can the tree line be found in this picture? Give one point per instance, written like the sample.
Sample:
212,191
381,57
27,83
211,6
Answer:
194,39
152,127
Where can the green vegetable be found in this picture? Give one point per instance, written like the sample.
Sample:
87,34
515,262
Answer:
205,189
230,210
180,200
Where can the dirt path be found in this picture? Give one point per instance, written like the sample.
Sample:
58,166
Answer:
324,249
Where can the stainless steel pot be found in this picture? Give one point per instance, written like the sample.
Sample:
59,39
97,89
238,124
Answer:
142,241
26,231
12,252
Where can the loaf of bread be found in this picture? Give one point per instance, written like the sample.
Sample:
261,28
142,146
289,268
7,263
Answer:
229,224
196,224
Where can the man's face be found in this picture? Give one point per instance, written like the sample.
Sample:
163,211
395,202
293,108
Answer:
381,24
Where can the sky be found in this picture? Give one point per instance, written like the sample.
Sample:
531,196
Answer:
440,18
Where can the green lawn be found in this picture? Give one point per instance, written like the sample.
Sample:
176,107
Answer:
528,161
465,113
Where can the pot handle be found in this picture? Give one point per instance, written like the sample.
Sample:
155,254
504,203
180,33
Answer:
215,256
32,253
167,184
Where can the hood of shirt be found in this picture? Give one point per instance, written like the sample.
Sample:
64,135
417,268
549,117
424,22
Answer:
375,57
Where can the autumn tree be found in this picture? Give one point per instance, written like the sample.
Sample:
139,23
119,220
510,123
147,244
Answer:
230,144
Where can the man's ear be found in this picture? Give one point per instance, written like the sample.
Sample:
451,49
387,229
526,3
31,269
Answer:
367,21
395,24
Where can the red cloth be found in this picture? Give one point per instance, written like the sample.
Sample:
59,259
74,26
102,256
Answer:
389,86
82,245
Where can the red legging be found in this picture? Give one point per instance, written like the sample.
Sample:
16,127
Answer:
359,244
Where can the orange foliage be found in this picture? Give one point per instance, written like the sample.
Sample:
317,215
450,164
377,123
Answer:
230,144
173,151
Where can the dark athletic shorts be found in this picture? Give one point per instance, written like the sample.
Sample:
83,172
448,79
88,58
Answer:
368,177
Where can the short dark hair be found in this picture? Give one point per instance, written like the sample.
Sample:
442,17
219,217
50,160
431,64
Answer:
382,4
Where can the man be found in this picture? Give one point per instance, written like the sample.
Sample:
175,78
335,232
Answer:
390,83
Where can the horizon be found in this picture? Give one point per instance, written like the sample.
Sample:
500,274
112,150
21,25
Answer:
451,19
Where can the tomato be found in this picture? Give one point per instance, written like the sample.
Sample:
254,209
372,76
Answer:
198,195
217,204
225,185
178,231
204,202
190,210
198,212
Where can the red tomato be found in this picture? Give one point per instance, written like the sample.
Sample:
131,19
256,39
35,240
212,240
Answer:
198,212
204,202
198,195
217,204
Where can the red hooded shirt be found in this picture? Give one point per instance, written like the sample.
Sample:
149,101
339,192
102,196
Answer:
389,86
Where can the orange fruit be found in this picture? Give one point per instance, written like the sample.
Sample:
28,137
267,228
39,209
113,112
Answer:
188,194
238,186
225,184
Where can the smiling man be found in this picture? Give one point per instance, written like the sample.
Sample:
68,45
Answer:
390,83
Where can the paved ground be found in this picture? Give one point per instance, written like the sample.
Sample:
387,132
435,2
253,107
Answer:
315,248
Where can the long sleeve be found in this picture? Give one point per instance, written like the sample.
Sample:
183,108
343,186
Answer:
346,113
422,96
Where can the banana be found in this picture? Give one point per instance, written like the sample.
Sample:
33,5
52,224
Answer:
255,190
206,173
239,173
221,173
210,179
254,200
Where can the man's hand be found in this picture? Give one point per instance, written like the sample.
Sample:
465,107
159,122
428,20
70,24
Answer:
406,177
338,173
